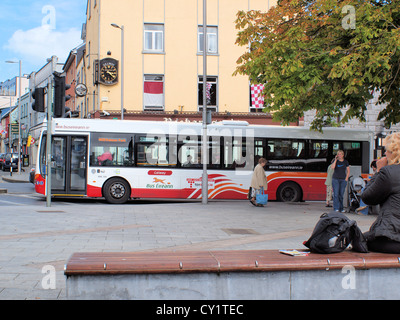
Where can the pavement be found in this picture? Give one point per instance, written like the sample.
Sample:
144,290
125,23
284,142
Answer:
36,241
17,178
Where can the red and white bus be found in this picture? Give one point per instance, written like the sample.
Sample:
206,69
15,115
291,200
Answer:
122,160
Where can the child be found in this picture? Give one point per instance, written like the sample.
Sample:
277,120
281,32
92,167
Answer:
328,183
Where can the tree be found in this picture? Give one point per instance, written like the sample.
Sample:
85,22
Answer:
324,55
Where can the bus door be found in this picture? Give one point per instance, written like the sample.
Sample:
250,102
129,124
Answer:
68,165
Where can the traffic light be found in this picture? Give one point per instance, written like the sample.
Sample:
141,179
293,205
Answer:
59,95
38,99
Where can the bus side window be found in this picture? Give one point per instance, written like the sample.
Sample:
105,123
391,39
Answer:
156,151
259,150
235,153
353,152
42,159
286,154
318,155
189,151
141,154
214,156
92,159
112,150
190,156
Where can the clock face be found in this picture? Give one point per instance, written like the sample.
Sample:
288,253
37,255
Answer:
108,71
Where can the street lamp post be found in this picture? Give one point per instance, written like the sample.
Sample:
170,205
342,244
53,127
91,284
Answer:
122,67
19,114
204,188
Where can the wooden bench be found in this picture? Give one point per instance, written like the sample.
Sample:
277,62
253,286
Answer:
224,274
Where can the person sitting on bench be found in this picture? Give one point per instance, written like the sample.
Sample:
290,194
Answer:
384,189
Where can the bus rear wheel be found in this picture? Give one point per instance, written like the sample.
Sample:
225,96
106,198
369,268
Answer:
289,192
116,191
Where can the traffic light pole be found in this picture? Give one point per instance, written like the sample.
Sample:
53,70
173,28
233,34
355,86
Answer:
48,141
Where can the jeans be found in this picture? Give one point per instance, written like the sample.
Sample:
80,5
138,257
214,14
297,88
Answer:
339,186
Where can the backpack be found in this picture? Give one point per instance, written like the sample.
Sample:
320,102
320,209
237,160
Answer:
334,232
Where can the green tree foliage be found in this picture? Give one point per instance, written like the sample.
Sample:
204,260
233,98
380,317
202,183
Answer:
324,55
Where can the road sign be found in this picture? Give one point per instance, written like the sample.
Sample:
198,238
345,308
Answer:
14,128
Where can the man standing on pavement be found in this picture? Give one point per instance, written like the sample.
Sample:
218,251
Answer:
340,177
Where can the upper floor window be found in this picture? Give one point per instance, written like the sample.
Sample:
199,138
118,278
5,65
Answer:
153,92
211,93
154,37
212,40
256,98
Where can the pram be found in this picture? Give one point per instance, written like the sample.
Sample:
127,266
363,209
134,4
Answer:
356,186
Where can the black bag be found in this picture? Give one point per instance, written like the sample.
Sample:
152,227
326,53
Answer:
334,232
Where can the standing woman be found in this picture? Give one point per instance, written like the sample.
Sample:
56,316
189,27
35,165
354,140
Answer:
384,189
258,181
340,177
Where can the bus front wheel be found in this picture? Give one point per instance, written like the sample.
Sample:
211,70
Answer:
289,192
116,191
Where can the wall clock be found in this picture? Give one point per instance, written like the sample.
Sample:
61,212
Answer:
108,72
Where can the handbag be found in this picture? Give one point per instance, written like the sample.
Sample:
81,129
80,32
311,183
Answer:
262,197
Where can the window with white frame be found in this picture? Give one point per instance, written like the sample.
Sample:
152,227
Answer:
212,40
154,37
153,92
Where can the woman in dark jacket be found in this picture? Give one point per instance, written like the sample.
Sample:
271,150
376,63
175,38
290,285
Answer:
384,189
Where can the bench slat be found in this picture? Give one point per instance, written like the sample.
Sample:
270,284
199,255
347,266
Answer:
86,263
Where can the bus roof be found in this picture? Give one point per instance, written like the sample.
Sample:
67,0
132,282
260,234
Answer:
223,128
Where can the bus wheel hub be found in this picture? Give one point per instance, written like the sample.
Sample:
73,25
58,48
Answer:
118,190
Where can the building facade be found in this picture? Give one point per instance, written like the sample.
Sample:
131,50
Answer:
72,71
21,112
9,91
81,100
162,65
69,70
4,129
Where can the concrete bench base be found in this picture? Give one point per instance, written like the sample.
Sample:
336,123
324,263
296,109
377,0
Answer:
308,285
